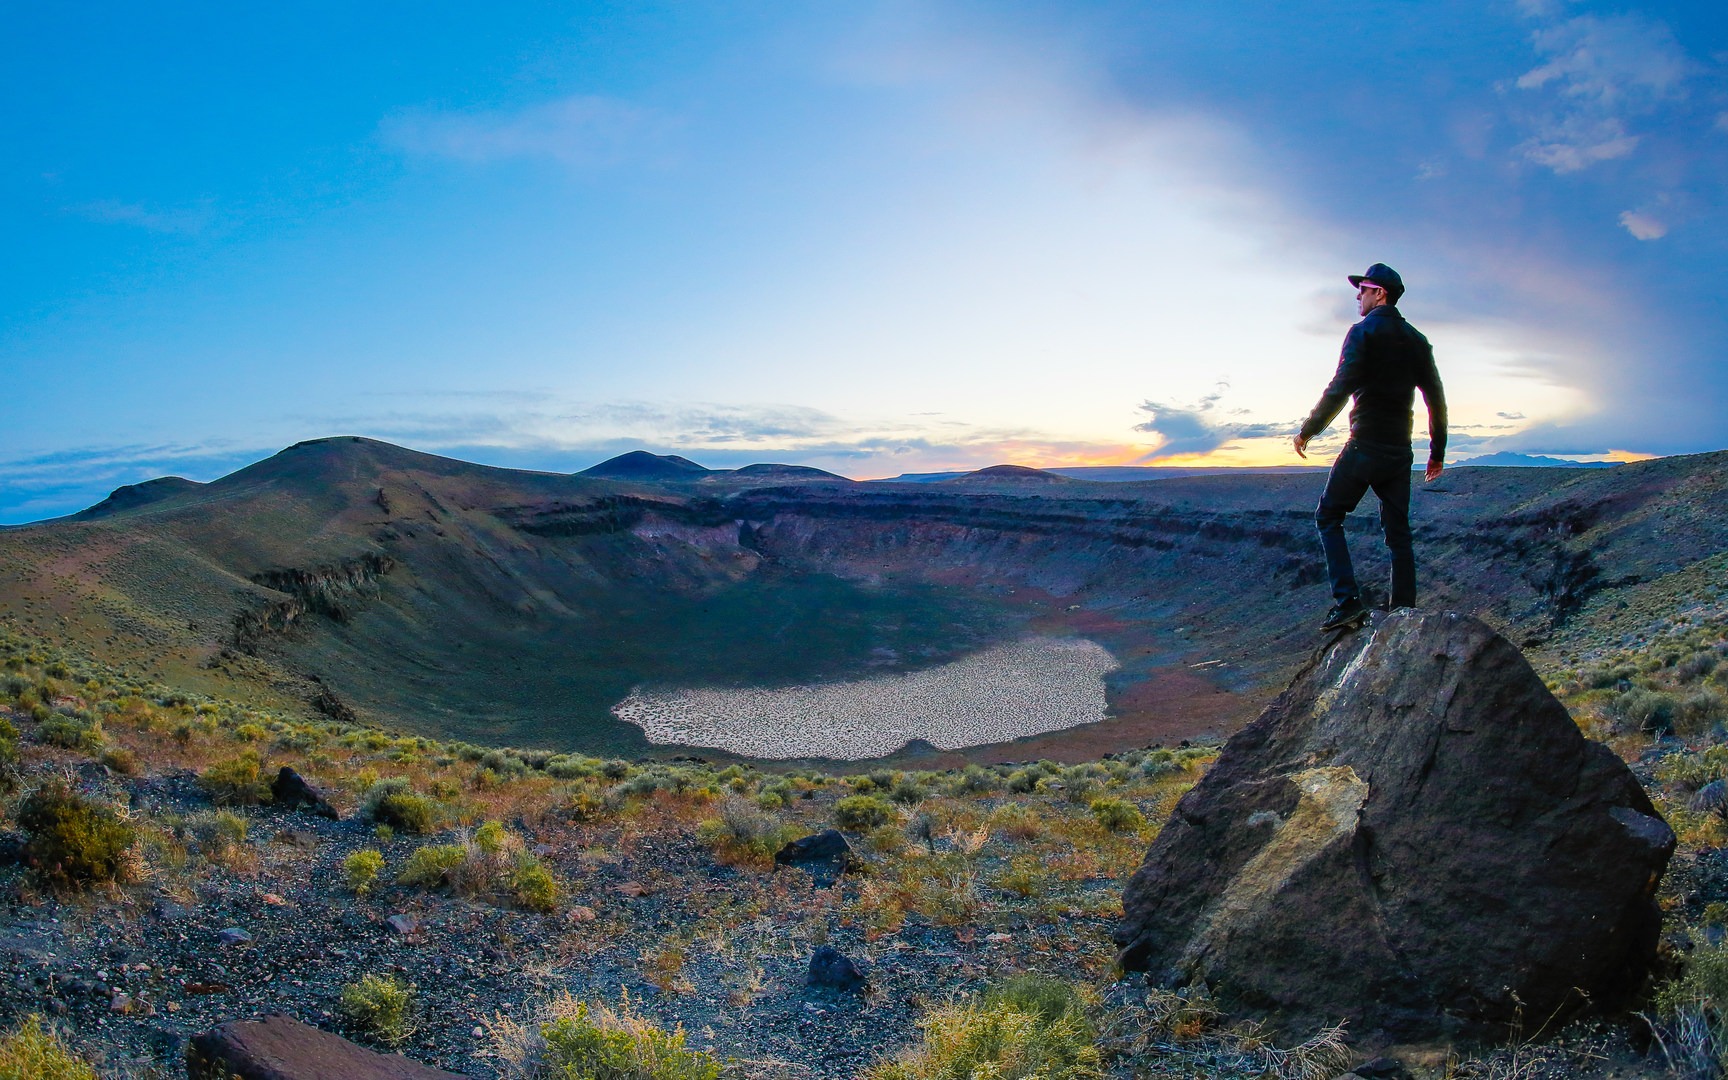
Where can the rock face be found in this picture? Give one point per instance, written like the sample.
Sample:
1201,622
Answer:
282,1048
1414,837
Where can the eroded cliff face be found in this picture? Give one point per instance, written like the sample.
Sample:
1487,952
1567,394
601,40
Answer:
334,591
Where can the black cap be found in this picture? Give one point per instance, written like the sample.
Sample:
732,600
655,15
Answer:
1384,276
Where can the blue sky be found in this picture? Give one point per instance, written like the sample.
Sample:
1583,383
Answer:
876,237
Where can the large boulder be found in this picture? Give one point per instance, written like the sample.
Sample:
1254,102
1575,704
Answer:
282,1048
1413,837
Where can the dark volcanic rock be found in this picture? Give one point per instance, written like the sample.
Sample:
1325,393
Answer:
830,969
282,1048
1415,837
824,856
293,792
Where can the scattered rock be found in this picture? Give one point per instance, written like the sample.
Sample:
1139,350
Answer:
1712,796
300,838
830,969
824,856
631,889
403,925
234,935
294,792
120,1002
1414,836
580,913
282,1048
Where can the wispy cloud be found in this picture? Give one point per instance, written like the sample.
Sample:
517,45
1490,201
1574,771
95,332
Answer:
580,131
1202,427
1644,226
111,212
1599,75
35,486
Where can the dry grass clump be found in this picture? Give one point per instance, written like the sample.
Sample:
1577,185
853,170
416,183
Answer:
744,835
1184,1029
222,840
574,1039
1030,1027
1690,1018
32,1051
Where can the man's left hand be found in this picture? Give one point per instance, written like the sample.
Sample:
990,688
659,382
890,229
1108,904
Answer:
1301,446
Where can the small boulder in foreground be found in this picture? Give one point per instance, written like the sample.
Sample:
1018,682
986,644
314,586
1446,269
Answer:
279,1047
824,856
294,792
1414,837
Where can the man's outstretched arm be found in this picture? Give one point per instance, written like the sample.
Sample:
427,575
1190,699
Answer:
1434,395
1345,381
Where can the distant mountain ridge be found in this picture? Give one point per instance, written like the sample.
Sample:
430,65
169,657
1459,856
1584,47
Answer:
640,466
1508,459
515,606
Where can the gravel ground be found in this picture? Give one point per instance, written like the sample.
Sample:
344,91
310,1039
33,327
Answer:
132,973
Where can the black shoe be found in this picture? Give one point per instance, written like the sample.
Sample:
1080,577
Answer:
1345,616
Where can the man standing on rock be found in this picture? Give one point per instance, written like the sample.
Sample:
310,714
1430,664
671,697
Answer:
1385,361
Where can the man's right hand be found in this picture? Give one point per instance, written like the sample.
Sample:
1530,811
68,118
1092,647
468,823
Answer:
1301,446
1432,473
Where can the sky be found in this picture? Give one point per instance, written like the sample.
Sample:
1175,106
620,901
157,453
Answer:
875,236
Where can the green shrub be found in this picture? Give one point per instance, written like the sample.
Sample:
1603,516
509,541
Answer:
1118,815
382,1006
361,870
775,794
859,812
8,754
32,1052
975,780
72,840
908,791
533,885
1692,1012
1001,1037
742,832
407,811
491,837
69,732
1647,710
237,781
432,866
570,767
599,1043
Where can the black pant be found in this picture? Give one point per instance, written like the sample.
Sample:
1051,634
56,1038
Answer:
1359,467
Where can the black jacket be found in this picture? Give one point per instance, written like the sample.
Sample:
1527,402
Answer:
1385,361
